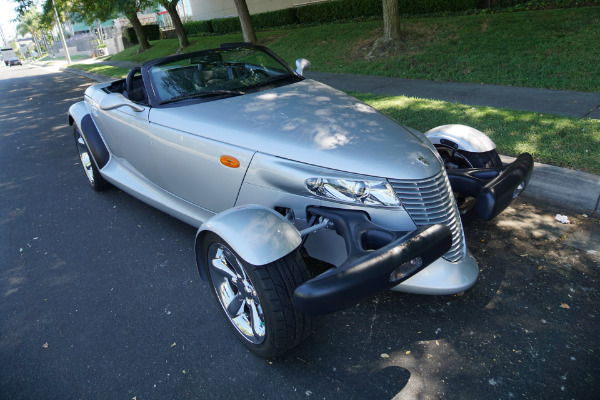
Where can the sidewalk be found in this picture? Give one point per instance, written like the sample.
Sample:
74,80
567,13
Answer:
571,189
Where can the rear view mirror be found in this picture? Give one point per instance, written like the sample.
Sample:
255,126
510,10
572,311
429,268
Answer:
301,65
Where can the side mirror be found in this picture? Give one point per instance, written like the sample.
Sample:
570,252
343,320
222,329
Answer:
116,100
301,65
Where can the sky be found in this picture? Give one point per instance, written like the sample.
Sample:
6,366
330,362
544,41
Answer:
7,13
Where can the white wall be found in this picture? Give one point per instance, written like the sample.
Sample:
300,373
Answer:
209,9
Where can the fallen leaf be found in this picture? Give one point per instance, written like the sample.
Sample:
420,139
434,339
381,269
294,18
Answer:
540,267
45,345
408,352
174,344
385,355
564,305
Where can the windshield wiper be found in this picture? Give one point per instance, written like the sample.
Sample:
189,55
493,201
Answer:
204,93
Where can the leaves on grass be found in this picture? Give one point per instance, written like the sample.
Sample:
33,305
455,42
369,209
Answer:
564,305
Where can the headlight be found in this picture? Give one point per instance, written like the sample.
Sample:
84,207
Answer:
371,193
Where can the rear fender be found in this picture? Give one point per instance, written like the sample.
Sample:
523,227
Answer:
460,137
79,115
257,234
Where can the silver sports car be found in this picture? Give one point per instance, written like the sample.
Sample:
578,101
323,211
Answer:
268,165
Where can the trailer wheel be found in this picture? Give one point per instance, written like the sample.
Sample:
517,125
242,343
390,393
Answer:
257,300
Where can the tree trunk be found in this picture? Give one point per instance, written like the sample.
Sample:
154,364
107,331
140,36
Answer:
139,31
388,43
172,10
391,20
245,21
37,44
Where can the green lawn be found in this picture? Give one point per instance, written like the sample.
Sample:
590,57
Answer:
562,141
101,69
554,49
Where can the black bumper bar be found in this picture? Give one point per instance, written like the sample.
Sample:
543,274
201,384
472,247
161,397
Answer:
494,189
366,273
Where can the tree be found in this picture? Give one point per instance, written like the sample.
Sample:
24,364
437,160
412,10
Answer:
171,7
245,21
29,23
92,10
388,43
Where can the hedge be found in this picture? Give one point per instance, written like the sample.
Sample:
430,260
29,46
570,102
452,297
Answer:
198,27
222,26
152,33
336,10
535,4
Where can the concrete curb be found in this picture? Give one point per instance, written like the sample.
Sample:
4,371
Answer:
570,189
567,188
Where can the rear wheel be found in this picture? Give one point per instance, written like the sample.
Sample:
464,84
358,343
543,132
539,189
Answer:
458,159
257,300
96,180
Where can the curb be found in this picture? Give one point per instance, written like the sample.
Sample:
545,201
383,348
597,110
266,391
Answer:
571,189
568,188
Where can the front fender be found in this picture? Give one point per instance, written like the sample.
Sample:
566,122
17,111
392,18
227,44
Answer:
79,115
257,234
461,137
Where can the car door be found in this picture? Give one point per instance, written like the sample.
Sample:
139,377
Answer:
193,167
127,135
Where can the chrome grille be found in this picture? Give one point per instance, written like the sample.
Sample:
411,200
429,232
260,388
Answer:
430,201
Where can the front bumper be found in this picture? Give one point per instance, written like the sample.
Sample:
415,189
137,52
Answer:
367,272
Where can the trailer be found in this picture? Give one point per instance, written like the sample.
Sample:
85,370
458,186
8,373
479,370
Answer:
7,54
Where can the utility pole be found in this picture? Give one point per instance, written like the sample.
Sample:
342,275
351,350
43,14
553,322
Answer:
4,42
62,35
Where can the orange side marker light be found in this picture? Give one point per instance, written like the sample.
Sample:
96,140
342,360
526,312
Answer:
230,162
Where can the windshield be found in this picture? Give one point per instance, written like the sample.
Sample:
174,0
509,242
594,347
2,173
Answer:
220,72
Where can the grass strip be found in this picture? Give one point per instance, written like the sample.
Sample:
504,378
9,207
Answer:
102,69
551,139
553,49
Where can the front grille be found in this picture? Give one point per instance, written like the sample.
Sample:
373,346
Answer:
430,201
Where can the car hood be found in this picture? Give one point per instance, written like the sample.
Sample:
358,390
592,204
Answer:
312,123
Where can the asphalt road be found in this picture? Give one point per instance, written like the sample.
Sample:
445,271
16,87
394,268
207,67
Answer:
100,297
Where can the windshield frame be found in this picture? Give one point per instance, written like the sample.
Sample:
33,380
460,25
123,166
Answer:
290,76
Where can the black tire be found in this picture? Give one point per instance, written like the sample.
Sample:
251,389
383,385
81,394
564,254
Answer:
96,181
455,159
280,326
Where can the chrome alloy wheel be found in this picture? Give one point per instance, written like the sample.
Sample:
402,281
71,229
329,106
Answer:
85,158
236,293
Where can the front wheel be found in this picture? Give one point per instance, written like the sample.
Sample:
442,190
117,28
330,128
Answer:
257,300
96,181
458,159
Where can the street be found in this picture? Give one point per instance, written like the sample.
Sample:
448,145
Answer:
100,297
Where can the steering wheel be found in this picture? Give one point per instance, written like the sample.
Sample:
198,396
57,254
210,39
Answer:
258,74
129,80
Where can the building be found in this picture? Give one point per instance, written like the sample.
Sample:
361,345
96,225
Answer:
211,9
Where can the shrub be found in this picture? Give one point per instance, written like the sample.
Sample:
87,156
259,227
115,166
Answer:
224,26
273,19
435,6
152,33
198,27
338,10
517,5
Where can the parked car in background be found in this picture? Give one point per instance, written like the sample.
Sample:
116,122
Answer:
267,163
14,61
